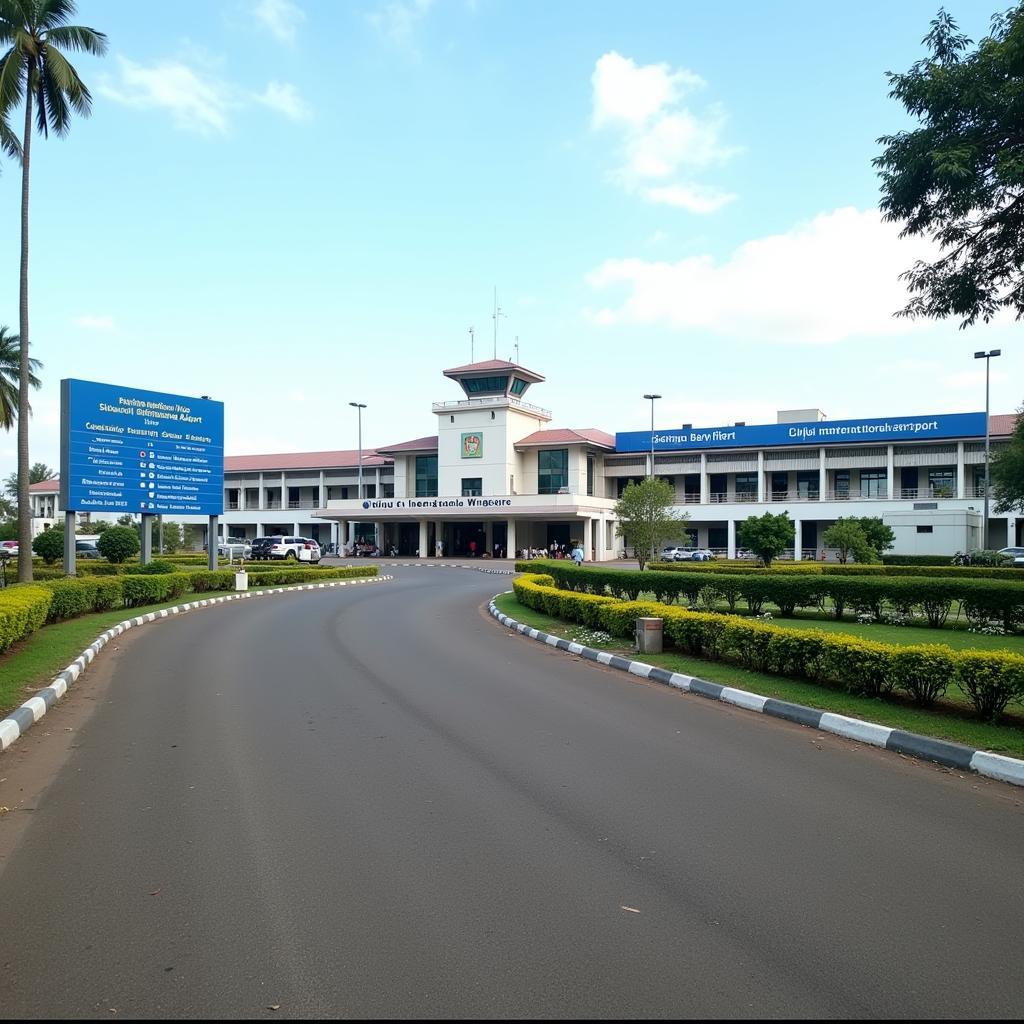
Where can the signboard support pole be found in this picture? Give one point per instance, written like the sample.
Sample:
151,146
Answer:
146,550
69,543
211,543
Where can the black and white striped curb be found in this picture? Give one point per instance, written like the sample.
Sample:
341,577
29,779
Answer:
952,755
22,719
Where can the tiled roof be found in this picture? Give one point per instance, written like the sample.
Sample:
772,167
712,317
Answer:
45,486
588,435
420,444
304,460
492,364
1002,425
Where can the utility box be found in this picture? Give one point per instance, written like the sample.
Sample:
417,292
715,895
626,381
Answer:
241,580
649,635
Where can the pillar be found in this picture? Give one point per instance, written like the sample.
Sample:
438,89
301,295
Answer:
961,490
890,472
510,539
423,539
296,532
798,540
730,551
378,534
146,536
211,543
69,544
588,539
760,477
822,474
600,552
489,536
705,485
322,499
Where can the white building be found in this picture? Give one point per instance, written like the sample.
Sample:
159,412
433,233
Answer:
497,477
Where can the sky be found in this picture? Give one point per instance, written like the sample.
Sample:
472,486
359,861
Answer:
293,204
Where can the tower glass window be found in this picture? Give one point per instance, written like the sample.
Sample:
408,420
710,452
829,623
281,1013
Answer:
485,385
472,486
552,471
426,476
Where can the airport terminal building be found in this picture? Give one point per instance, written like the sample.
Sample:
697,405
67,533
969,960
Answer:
496,478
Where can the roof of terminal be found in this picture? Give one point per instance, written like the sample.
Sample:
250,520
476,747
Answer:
304,460
420,444
494,364
589,435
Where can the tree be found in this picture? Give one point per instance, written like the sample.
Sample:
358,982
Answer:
1007,471
118,543
35,70
38,473
959,177
647,517
767,536
848,538
172,536
879,536
93,528
49,545
10,371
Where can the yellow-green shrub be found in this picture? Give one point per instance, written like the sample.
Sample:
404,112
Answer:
23,609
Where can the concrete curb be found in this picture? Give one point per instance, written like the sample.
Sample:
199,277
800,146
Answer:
952,755
19,721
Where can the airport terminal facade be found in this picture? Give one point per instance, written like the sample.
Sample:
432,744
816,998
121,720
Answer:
496,478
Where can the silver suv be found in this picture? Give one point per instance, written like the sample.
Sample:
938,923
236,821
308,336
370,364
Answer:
298,549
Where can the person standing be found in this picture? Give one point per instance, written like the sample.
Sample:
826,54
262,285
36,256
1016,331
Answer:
577,555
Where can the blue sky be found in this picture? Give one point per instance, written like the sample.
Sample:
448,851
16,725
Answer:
293,204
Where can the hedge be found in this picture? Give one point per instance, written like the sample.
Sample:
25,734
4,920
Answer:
990,680
23,609
983,600
850,569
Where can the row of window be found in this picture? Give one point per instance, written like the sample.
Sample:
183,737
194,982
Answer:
552,475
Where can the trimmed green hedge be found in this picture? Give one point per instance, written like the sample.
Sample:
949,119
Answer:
990,680
850,569
23,609
931,598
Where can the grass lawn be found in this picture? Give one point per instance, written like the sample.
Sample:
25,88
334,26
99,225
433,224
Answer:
949,721
34,662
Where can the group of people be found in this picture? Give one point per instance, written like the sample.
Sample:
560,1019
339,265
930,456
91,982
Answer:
556,549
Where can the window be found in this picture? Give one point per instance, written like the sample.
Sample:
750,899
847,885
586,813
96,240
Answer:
389,490
842,484
590,475
942,482
780,486
426,476
371,490
808,484
872,483
746,487
552,471
472,486
908,481
518,385
485,385
924,529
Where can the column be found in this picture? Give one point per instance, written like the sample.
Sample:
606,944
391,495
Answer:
146,535
263,496
259,528
322,500
423,539
705,486
822,474
798,540
70,550
296,532
510,539
731,541
890,472
760,478
284,493
378,534
961,490
588,539
600,551
211,543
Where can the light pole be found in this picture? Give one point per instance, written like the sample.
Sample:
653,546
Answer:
988,357
652,398
359,407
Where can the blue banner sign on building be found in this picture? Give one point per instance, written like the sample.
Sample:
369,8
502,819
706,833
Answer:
126,450
785,435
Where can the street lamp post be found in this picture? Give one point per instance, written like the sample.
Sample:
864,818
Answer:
359,407
988,357
652,398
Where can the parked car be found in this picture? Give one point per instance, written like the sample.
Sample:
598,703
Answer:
234,547
703,555
299,549
673,554
259,549
87,549
9,548
1017,554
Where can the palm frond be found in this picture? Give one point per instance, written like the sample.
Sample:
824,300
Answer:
62,77
9,141
53,13
78,38
12,80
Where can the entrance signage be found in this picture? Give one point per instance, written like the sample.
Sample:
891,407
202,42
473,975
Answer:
145,452
771,435
385,503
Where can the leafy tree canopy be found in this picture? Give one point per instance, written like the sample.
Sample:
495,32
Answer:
848,538
49,545
1007,471
647,517
767,536
959,176
118,543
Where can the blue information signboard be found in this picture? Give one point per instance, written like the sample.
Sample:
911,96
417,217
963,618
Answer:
126,450
823,432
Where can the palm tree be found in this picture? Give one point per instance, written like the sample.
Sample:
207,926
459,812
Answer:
35,69
10,372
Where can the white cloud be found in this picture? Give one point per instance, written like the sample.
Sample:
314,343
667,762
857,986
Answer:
282,18
285,99
196,99
658,135
397,20
95,322
823,281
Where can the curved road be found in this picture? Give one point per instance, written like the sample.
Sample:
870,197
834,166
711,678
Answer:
377,803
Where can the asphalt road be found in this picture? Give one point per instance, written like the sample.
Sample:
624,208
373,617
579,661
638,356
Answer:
374,802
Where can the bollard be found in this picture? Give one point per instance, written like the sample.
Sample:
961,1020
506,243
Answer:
649,635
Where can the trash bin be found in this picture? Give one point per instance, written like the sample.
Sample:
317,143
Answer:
649,635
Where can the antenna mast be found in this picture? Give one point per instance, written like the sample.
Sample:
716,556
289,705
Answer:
472,346
497,313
